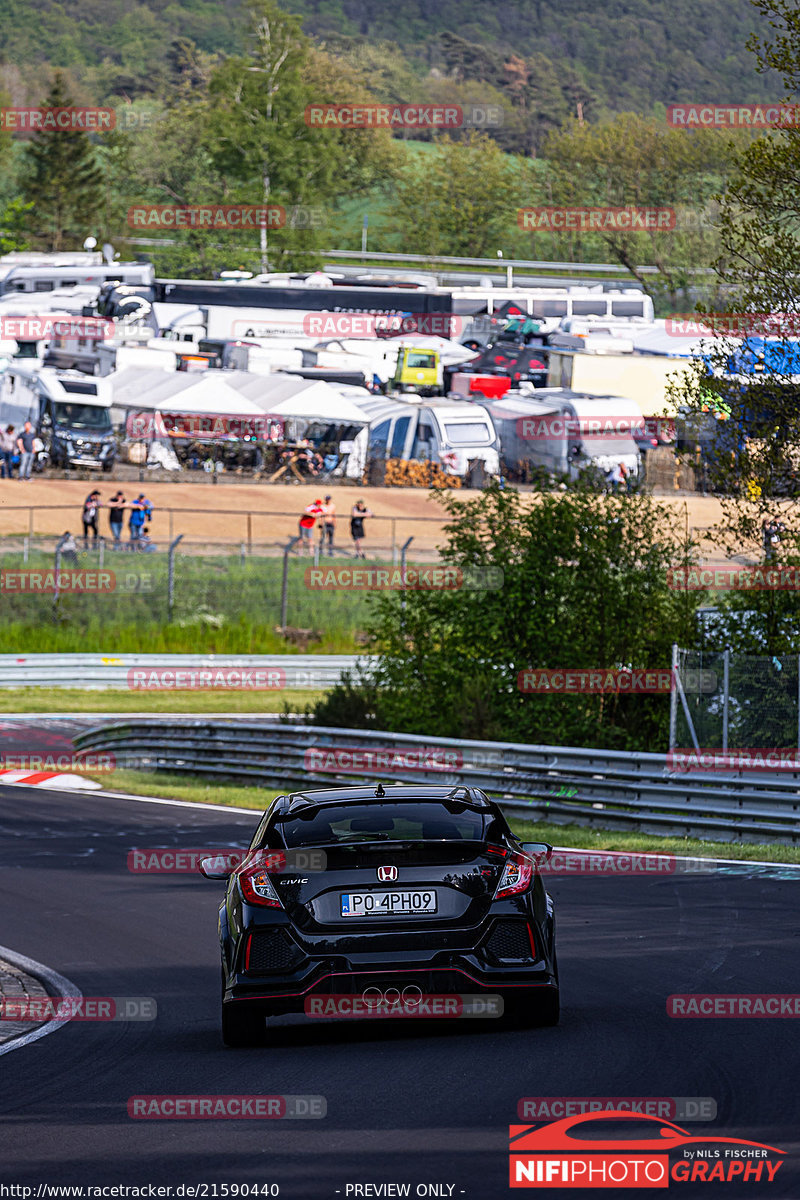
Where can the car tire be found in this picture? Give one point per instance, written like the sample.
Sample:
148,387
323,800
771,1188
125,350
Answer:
539,1009
243,1025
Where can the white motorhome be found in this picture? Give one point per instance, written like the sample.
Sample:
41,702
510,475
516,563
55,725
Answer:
433,431
551,305
564,433
70,412
45,277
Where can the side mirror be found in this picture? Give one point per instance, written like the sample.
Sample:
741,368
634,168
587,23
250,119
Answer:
540,852
217,866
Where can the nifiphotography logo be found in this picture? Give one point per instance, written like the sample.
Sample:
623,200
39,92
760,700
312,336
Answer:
596,1150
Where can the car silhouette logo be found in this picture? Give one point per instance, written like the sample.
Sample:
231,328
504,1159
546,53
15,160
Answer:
387,874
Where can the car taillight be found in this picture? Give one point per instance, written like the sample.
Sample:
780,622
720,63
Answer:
516,877
257,888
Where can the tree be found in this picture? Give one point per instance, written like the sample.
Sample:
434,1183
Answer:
459,199
258,134
61,180
640,162
752,455
561,580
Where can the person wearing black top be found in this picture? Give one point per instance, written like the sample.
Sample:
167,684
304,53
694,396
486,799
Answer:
116,515
89,516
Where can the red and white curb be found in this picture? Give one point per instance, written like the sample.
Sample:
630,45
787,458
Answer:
45,779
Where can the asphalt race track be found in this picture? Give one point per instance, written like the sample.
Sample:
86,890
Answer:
406,1102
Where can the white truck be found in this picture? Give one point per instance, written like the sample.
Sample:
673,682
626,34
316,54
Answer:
69,411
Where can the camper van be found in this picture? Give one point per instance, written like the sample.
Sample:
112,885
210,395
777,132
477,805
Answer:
30,279
565,433
448,434
70,412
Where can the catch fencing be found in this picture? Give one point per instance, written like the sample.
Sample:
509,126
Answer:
608,789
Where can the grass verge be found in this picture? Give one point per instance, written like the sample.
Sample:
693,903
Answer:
179,787
80,700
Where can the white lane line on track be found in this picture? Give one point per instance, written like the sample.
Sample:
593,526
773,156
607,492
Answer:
228,808
60,985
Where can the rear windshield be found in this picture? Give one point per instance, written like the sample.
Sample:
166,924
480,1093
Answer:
411,821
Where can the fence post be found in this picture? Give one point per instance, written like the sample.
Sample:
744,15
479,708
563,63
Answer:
673,700
394,542
102,553
171,576
31,511
59,544
403,550
25,547
285,581
249,533
726,662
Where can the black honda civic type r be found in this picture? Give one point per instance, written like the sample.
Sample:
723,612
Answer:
403,890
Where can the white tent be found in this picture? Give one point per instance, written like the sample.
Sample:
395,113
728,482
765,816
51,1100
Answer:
305,399
145,389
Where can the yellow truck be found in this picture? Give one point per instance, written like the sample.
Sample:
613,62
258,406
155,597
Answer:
417,371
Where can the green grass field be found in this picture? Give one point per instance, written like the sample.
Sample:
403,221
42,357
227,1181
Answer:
222,605
74,700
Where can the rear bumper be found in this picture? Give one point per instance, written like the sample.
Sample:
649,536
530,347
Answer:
292,994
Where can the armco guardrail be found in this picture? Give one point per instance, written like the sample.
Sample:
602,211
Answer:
609,788
114,671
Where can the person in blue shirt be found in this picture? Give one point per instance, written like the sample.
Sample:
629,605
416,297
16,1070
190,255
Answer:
141,512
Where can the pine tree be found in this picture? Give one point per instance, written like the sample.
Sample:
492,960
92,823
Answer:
62,180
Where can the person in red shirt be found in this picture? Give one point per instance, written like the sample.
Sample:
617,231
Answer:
307,522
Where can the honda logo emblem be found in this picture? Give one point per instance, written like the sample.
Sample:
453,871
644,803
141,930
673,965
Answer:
387,874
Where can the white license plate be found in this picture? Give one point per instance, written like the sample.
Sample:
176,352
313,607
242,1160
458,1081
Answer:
388,904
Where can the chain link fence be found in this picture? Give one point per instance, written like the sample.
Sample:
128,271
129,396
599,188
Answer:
746,701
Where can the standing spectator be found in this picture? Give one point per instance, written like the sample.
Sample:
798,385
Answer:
116,515
771,533
91,506
357,514
307,522
141,512
25,447
328,525
69,550
7,448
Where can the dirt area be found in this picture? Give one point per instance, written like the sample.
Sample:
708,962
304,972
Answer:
260,513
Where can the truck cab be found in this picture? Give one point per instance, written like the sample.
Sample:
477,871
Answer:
70,411
417,370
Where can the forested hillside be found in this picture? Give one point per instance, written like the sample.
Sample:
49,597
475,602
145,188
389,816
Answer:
617,55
